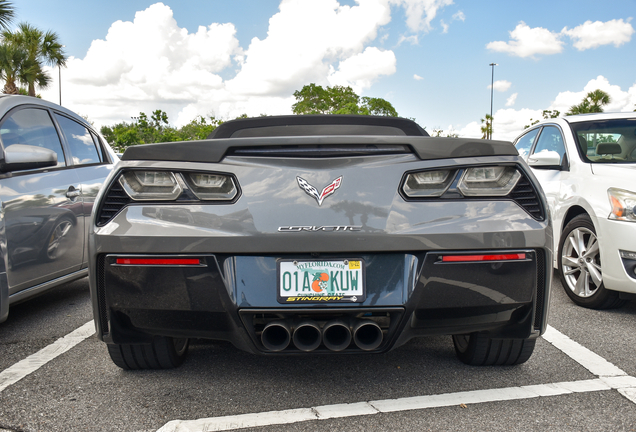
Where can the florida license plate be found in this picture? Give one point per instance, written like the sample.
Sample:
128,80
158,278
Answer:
318,281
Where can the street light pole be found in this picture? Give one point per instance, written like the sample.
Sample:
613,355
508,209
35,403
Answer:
492,89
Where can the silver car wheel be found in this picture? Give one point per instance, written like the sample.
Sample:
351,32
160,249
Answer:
581,262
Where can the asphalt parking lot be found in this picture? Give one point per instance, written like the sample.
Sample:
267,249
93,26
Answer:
55,375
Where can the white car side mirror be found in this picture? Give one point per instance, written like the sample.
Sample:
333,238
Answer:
545,159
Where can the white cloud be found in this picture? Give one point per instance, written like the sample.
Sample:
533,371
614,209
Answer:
459,16
509,123
412,39
529,42
152,63
595,34
420,13
444,26
512,99
148,60
417,77
360,70
297,50
620,100
501,85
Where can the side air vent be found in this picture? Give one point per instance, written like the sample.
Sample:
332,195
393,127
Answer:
527,197
113,202
320,151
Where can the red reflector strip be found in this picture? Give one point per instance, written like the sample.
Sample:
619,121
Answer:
474,258
159,261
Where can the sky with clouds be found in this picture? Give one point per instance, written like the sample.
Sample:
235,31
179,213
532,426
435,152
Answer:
429,58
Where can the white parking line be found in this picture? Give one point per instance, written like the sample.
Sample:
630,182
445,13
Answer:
32,363
583,356
610,377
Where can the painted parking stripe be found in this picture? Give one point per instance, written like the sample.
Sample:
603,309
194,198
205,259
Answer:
383,406
32,363
583,356
610,377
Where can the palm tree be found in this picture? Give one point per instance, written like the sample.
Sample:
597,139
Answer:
6,13
486,129
13,65
41,48
593,102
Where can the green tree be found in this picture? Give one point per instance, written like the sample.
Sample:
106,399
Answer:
42,48
314,99
379,107
486,128
156,128
199,128
12,67
593,102
547,114
6,13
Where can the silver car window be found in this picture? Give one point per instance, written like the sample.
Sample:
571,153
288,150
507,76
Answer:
32,126
80,141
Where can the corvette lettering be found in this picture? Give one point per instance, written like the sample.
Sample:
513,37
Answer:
314,228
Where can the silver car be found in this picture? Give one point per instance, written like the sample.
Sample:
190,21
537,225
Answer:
53,164
320,234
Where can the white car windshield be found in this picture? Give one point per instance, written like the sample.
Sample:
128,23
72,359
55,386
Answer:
607,141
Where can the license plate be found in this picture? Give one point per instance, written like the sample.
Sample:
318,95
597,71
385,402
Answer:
321,281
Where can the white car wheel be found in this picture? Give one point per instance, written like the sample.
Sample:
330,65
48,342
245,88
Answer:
580,268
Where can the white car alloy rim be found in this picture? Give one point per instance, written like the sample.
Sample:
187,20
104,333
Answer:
582,262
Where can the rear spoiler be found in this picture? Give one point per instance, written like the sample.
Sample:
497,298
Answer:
214,150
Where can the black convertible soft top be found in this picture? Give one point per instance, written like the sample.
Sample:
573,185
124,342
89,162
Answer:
304,125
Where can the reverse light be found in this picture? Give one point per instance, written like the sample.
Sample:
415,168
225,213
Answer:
428,183
151,185
488,181
623,204
211,186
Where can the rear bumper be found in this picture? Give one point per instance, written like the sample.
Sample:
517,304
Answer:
233,298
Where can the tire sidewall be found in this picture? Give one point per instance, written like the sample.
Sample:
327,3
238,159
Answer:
601,295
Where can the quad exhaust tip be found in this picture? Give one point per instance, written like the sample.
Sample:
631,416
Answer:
307,335
367,335
276,335
336,335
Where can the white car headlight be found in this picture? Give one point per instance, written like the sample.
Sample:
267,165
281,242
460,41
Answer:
488,181
623,204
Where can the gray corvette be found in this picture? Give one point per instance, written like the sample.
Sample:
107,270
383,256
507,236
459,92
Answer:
320,234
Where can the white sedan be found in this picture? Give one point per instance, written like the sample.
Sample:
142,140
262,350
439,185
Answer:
586,165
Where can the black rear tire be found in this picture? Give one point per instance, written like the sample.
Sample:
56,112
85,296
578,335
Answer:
162,353
478,350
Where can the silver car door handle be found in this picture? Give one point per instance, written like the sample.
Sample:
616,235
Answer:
73,193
